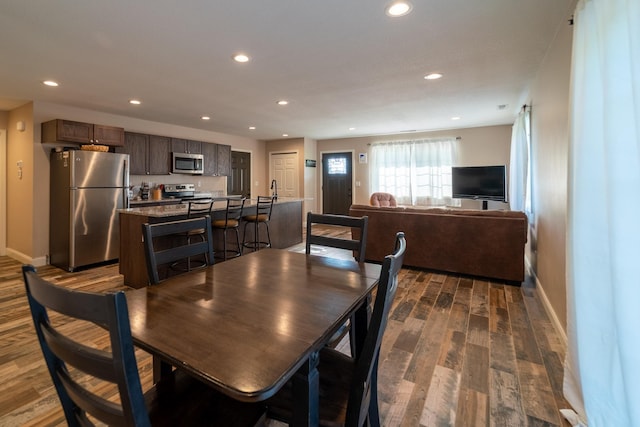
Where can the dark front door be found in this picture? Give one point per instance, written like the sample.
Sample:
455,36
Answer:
336,183
240,180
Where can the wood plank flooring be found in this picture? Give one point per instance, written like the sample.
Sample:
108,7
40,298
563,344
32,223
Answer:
458,351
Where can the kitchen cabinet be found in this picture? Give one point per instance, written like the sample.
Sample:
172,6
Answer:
60,131
179,145
224,160
217,159
148,154
210,153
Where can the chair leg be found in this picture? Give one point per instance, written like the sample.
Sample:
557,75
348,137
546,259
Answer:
268,235
238,241
374,413
224,243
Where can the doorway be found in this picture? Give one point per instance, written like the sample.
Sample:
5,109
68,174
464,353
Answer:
284,169
240,180
337,191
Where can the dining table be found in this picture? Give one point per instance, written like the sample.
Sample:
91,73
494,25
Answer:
249,325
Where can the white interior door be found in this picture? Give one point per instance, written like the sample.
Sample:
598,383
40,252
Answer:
284,169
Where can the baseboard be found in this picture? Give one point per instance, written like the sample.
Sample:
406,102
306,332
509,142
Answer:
25,259
548,308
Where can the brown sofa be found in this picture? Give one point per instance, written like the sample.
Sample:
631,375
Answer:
479,243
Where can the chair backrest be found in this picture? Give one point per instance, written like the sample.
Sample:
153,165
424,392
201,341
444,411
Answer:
199,208
62,349
158,254
382,200
367,363
357,244
235,205
264,206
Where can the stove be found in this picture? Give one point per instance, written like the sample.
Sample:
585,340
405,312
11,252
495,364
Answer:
183,191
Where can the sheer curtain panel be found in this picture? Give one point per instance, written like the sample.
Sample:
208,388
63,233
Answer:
415,172
519,164
602,370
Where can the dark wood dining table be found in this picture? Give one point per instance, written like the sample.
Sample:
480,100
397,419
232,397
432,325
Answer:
248,325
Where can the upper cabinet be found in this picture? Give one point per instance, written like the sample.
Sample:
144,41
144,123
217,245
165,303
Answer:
217,159
224,160
148,154
179,145
210,153
61,131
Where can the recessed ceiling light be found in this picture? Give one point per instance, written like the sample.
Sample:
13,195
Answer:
50,83
135,101
352,128
398,8
285,134
433,76
241,57
283,102
205,118
455,118
252,128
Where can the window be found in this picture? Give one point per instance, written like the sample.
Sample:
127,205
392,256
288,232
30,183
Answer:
415,172
337,166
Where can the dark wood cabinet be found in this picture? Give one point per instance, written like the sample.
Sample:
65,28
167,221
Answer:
56,131
210,153
148,154
159,155
224,160
179,145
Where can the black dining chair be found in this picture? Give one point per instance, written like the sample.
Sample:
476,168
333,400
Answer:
232,215
161,246
348,387
264,206
85,376
357,244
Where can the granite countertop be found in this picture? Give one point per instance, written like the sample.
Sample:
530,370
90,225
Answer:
177,209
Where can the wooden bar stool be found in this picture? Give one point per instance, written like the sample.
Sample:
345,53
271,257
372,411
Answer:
264,207
231,220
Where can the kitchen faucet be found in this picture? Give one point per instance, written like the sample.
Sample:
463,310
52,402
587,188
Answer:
274,187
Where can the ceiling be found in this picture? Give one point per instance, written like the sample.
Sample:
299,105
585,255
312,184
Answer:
340,64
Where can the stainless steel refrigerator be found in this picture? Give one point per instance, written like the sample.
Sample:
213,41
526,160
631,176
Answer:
87,189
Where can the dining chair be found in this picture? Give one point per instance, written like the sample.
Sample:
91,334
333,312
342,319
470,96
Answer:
232,215
159,252
264,206
86,376
357,244
348,387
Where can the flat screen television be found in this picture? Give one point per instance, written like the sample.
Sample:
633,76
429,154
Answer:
479,183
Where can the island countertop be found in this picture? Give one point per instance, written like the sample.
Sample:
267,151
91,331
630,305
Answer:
179,209
285,228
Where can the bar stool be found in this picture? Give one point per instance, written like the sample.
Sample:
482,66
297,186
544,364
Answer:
264,206
197,209
232,216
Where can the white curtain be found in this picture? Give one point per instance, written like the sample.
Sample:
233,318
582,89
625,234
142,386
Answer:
416,172
519,163
602,370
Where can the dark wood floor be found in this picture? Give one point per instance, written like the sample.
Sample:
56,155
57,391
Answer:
457,351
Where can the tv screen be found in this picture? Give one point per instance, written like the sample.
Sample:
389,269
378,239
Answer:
479,182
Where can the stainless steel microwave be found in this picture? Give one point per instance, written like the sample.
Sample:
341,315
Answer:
188,163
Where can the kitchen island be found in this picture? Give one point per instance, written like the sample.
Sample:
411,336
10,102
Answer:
285,229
